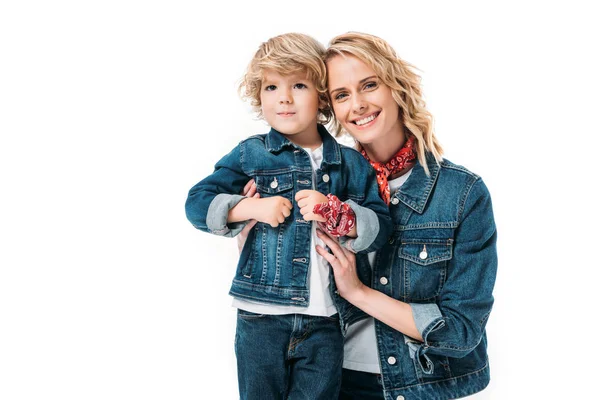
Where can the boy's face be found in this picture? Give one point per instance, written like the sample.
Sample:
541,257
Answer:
290,104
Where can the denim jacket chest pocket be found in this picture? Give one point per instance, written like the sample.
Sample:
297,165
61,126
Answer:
275,184
424,262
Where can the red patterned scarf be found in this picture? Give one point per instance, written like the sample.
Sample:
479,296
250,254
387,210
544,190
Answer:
403,160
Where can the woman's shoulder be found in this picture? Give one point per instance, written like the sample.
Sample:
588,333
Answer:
456,169
458,177
466,182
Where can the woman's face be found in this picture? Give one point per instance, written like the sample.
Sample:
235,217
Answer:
362,103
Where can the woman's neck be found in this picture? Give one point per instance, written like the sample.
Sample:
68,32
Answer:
383,150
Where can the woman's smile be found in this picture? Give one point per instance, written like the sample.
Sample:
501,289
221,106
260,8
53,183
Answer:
366,122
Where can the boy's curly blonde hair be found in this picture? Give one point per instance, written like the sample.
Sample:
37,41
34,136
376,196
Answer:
287,54
400,77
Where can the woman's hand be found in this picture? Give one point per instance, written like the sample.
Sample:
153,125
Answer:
248,191
388,310
343,262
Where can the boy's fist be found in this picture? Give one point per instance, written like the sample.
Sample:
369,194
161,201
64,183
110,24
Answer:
307,199
273,210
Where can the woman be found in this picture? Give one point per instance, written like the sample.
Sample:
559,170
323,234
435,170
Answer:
432,284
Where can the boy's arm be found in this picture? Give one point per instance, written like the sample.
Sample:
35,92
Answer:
270,210
307,199
373,221
210,200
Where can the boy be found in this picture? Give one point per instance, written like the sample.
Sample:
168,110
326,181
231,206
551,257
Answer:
289,341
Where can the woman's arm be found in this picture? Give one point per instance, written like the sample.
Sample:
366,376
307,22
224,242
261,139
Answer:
251,192
391,312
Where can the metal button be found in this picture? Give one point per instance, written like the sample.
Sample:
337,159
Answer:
400,398
325,178
391,360
383,280
274,183
423,254
395,201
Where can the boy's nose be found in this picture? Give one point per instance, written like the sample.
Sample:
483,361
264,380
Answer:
285,97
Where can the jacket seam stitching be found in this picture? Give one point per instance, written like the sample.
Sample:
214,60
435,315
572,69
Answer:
466,195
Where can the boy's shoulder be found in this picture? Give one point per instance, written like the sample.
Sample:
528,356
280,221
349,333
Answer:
353,156
258,139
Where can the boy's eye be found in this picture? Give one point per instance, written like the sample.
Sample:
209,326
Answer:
270,87
300,86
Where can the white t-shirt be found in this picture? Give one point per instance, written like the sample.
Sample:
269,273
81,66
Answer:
360,344
320,303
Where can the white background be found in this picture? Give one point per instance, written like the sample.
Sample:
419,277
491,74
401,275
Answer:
110,111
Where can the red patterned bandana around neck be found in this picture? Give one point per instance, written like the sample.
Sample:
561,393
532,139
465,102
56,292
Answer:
403,160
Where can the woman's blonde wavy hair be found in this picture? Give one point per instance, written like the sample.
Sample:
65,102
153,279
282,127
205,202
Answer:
287,54
401,79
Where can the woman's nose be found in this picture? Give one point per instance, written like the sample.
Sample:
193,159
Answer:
358,104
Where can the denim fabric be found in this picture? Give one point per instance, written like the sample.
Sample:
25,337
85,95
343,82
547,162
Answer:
274,263
441,259
291,356
358,385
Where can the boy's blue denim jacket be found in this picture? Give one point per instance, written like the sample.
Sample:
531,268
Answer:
441,259
274,263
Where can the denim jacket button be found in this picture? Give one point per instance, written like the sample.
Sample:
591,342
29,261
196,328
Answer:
400,398
274,183
395,201
423,254
325,178
391,360
383,280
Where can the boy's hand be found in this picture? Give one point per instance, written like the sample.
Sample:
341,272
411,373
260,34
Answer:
272,210
306,200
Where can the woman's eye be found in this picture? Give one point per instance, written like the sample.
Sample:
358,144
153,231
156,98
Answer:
340,96
300,86
370,85
270,88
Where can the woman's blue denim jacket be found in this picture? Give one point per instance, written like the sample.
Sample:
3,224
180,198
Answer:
441,259
274,263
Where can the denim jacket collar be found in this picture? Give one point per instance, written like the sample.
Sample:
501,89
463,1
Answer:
416,190
275,142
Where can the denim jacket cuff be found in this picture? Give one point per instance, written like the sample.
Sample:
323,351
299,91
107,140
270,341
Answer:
428,318
218,210
367,228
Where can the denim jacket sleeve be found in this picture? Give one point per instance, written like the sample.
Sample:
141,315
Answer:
455,325
210,200
373,221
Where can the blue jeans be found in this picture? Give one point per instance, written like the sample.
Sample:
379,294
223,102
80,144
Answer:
290,356
358,385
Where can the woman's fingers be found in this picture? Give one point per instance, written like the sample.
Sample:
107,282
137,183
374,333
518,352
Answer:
334,246
326,255
249,225
249,189
243,235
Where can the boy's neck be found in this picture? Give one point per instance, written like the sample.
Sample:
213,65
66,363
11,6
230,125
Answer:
310,138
